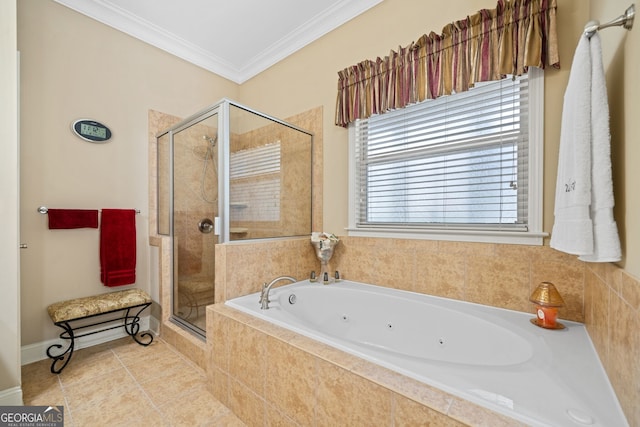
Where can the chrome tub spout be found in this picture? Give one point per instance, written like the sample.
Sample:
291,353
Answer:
264,294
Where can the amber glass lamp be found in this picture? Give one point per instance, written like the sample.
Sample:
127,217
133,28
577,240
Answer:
547,300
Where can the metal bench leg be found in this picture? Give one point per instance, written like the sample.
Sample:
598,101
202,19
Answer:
66,355
132,326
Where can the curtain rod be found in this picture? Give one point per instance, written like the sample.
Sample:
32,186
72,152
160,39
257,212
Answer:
625,20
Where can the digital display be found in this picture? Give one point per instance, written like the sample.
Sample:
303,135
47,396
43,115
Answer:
91,130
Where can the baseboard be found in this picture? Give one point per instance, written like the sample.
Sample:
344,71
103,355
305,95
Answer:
38,351
11,397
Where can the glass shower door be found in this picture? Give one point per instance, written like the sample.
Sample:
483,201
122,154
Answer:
195,206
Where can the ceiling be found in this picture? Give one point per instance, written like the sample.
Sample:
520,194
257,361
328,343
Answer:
235,39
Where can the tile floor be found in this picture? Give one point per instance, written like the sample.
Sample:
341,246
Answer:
122,383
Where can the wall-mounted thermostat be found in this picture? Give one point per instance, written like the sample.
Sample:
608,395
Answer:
91,131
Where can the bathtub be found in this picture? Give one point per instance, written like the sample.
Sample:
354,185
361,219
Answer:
490,356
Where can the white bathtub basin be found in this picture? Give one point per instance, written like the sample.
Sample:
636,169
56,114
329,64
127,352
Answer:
490,356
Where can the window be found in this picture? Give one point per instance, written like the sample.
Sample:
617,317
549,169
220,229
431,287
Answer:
462,167
254,175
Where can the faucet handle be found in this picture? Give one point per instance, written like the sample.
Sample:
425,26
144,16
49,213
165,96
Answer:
262,292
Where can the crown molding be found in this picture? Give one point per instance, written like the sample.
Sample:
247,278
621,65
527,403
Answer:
107,13
308,32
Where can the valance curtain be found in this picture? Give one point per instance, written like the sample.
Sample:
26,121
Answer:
487,46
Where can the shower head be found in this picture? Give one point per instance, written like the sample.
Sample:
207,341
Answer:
210,140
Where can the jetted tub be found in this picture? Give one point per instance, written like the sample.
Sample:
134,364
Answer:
490,356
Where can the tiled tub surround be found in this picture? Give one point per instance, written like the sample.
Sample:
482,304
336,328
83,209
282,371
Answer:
268,375
476,352
602,296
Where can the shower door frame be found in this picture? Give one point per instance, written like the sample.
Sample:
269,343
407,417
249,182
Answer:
221,221
181,126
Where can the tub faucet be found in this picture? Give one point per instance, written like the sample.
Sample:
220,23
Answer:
264,295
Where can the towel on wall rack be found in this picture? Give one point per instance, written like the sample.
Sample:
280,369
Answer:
118,247
72,218
584,223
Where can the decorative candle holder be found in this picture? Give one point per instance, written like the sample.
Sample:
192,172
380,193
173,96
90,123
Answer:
324,251
547,300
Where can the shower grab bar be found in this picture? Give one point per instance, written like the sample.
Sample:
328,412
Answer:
44,210
625,20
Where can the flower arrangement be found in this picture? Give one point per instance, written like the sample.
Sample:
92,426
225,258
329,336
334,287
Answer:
324,243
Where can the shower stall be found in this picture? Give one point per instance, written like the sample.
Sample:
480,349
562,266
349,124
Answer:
227,174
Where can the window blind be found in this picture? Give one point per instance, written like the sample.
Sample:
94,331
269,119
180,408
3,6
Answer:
460,161
255,175
255,161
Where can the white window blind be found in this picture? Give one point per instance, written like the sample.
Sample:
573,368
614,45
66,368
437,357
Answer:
255,175
460,161
255,161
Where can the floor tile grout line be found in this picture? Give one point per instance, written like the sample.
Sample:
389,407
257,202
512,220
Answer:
64,388
158,407
66,401
141,388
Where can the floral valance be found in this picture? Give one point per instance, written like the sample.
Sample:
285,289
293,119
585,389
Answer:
487,46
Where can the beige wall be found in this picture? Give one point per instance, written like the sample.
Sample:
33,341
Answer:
9,258
74,67
309,77
621,57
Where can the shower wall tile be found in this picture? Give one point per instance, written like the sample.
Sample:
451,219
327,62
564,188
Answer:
220,273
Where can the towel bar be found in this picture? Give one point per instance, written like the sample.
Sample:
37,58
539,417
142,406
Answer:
625,20
43,210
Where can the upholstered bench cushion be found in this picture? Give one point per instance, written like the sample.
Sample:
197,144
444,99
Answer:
89,306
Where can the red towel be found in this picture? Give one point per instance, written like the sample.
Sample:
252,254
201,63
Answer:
72,218
118,247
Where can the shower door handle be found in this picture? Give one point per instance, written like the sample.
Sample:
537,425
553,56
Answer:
205,226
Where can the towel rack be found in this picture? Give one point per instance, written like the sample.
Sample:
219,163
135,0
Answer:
625,20
43,210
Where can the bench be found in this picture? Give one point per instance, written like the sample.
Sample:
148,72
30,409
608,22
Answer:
129,303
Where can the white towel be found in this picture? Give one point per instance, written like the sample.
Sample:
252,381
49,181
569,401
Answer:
584,223
606,242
